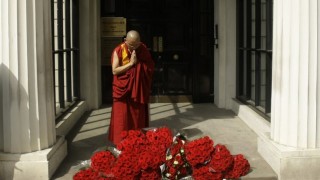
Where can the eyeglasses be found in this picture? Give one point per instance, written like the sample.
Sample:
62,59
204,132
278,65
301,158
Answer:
133,45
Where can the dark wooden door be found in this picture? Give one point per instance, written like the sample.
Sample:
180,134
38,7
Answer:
203,69
166,27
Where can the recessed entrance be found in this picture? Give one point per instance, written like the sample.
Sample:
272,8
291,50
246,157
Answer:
180,37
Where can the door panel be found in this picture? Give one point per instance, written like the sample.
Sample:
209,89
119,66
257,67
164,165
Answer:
203,68
170,22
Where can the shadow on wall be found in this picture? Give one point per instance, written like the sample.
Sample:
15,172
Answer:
13,98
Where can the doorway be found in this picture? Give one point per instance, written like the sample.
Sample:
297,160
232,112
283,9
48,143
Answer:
179,35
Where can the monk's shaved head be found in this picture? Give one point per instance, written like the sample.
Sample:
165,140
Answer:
133,36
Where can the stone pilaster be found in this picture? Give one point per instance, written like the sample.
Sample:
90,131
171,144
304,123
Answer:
225,55
293,146
89,29
28,142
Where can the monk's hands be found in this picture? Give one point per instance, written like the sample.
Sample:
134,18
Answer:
133,59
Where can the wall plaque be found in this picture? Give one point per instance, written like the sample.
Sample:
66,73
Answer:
113,26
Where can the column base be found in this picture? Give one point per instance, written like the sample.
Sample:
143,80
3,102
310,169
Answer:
37,165
290,163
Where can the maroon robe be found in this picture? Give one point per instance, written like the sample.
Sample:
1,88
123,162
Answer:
131,92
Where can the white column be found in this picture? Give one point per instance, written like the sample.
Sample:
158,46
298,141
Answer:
293,147
295,88
27,119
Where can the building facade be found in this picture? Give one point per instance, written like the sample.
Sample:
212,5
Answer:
262,63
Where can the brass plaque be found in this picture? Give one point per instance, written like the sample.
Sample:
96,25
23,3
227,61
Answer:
113,26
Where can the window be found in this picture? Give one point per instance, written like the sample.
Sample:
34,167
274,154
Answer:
65,44
254,53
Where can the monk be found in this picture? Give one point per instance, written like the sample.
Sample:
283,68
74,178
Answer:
132,68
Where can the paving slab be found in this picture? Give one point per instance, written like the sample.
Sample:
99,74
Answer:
195,120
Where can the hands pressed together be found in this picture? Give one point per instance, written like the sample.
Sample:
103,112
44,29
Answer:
133,59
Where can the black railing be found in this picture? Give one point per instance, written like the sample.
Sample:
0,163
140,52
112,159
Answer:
65,44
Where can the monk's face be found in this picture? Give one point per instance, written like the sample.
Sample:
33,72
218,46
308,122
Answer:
132,44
